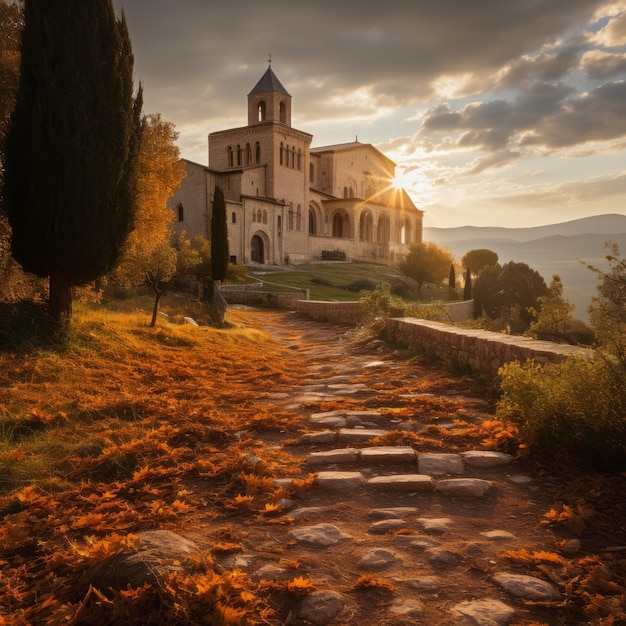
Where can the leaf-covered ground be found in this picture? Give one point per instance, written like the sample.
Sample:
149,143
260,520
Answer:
130,429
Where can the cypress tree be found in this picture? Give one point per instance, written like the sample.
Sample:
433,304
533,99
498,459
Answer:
467,291
72,145
219,237
452,278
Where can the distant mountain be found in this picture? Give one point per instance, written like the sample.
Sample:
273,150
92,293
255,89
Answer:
599,224
562,249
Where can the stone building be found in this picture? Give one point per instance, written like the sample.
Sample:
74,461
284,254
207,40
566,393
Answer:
289,203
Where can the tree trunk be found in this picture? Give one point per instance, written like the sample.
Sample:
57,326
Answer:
155,309
60,300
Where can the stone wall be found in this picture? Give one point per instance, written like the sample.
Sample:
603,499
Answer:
480,351
349,313
257,297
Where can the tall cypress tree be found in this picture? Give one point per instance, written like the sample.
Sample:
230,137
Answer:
72,145
219,237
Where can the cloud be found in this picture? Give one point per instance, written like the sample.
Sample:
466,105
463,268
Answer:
601,65
597,115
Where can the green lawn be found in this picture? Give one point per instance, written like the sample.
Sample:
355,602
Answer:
334,280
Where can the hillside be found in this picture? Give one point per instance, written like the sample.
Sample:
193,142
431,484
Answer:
562,249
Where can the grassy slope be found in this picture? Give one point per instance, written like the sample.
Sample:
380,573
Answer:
331,281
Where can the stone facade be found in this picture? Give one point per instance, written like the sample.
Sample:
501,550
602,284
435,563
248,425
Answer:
290,203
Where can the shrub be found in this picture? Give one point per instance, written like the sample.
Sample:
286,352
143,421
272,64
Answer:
576,407
361,285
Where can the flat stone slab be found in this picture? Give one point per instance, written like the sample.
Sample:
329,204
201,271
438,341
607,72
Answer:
486,612
308,512
322,535
360,434
526,587
325,436
464,487
320,607
498,535
435,524
402,482
329,457
440,557
485,458
415,542
386,526
421,583
388,454
339,481
393,512
330,421
408,607
440,464
377,559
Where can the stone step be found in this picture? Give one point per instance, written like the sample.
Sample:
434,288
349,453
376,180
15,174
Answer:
432,464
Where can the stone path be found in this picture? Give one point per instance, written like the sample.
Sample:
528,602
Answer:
422,531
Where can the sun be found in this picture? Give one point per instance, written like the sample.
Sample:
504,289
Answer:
400,180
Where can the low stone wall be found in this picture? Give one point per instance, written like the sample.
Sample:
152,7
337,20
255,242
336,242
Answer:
256,297
349,313
480,351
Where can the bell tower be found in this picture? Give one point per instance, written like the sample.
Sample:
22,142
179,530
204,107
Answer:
269,101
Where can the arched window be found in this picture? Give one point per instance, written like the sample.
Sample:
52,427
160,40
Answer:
282,112
405,232
281,152
299,159
233,217
312,223
293,156
291,217
248,154
366,226
180,211
345,192
265,217
238,154
299,218
311,173
261,111
279,224
258,152
229,151
383,229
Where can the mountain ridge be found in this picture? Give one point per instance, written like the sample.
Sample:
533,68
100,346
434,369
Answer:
564,249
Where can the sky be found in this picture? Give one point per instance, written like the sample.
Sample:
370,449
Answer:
497,112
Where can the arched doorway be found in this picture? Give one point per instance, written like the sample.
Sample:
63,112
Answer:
257,249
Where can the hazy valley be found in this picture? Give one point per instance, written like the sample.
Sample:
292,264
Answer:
562,249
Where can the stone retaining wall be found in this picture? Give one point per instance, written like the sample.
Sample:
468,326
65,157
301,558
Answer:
256,297
349,313
480,351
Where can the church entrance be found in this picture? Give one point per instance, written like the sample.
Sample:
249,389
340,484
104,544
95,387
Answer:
257,250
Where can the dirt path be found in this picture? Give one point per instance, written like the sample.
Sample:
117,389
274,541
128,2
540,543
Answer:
406,522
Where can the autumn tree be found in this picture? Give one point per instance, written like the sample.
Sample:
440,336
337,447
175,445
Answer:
608,307
426,262
552,319
72,145
168,262
478,259
159,173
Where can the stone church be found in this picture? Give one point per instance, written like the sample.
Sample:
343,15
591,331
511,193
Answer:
289,203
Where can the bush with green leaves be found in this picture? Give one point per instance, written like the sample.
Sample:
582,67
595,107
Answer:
575,408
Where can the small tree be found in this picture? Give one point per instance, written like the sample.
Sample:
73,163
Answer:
166,264
72,146
452,278
552,319
426,262
608,308
479,259
467,289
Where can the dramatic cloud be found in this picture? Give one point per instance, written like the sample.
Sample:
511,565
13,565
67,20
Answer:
455,90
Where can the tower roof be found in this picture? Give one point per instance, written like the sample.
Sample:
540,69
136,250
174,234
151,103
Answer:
269,82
